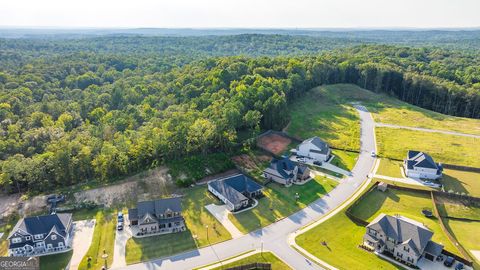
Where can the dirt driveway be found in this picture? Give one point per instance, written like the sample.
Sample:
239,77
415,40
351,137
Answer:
83,234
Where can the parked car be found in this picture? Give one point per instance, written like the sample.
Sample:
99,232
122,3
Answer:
372,154
449,261
459,266
316,162
55,198
120,225
120,216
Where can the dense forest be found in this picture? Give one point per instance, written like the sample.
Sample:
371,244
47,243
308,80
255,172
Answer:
76,109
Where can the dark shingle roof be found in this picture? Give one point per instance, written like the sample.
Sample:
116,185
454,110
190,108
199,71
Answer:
155,207
403,230
319,143
420,159
434,248
44,224
232,187
285,166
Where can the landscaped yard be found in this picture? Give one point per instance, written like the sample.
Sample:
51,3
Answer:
462,182
265,257
405,203
196,218
279,202
342,237
55,262
458,150
390,168
318,113
103,239
467,233
345,160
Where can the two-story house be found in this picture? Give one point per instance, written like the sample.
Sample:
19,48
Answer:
314,148
406,239
41,235
236,191
286,172
421,165
157,217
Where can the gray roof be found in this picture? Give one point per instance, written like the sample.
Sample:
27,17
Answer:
420,159
155,207
284,167
434,248
319,143
234,187
44,224
403,230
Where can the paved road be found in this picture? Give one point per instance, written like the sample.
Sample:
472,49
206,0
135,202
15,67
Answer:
428,130
275,236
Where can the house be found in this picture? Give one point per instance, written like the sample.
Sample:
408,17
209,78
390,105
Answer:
421,165
41,235
286,172
157,217
314,148
235,191
405,239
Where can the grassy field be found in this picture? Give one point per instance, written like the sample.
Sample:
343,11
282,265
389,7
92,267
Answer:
405,203
103,239
400,184
55,262
279,202
345,160
468,234
342,237
387,109
458,150
196,218
462,182
390,168
318,113
265,257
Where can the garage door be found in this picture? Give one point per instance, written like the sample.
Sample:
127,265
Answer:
429,257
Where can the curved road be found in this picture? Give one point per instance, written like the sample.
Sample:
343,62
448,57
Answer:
274,237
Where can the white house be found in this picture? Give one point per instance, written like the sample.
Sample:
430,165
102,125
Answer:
421,165
405,239
314,148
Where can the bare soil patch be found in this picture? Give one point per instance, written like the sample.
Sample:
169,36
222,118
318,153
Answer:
274,143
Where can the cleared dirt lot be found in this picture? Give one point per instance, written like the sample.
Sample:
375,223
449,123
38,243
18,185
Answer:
274,143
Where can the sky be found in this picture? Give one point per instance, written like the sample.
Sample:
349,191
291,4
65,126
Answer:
240,13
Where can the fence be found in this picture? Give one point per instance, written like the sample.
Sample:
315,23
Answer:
260,266
354,218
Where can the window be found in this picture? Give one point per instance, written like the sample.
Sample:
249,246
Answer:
49,246
391,239
54,237
28,238
38,236
407,249
60,244
16,240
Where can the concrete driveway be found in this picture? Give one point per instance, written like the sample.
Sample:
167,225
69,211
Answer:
82,238
220,212
121,238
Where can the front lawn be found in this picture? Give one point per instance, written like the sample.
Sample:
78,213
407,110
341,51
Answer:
405,203
343,159
459,150
318,113
279,202
342,237
461,182
196,218
56,262
103,239
390,168
265,257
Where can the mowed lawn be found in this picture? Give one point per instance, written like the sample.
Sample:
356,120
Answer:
318,113
459,150
461,181
343,159
56,262
405,203
265,257
196,218
279,202
342,237
390,168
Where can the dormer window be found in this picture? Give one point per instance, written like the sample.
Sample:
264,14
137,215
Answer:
54,237
16,240
38,236
28,238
